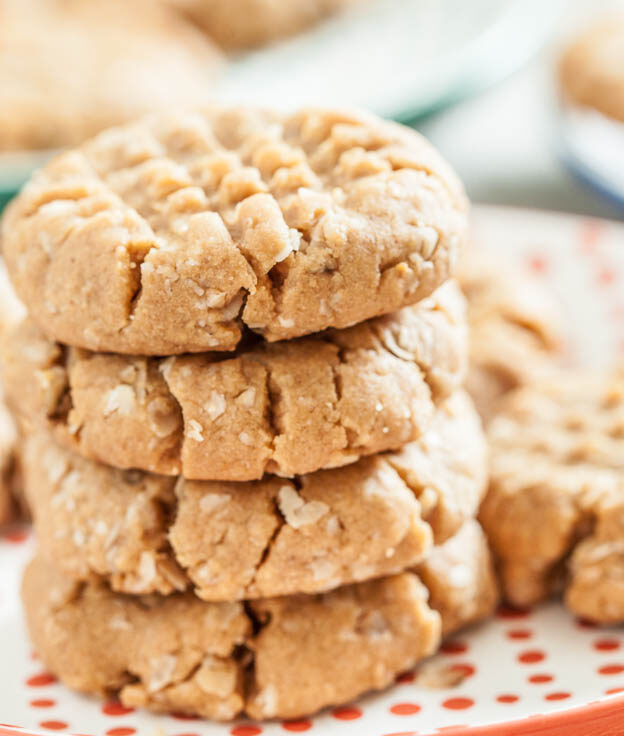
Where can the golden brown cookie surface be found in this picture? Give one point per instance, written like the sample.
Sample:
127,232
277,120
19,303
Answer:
172,234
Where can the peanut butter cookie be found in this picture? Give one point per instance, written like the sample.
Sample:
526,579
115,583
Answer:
515,330
243,24
554,511
287,408
273,658
70,68
172,234
591,71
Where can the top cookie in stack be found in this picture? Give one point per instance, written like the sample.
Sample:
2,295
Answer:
218,298
175,234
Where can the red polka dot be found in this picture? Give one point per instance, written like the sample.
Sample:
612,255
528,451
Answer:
347,713
42,703
611,669
507,698
606,645
614,690
557,696
458,703
114,708
454,647
540,679
297,726
531,656
121,731
405,709
606,277
466,669
508,612
54,725
585,623
406,677
41,680
246,730
537,264
591,232
519,634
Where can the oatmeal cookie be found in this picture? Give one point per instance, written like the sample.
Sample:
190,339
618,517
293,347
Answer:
555,506
515,330
287,408
271,658
172,234
70,68
243,24
591,71
151,533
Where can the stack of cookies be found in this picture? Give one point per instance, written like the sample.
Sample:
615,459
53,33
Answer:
252,468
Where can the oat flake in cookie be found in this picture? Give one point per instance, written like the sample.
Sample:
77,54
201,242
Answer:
272,658
554,512
173,234
146,533
286,408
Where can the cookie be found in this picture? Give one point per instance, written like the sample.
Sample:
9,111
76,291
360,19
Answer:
172,234
554,512
287,408
70,68
11,312
244,24
272,658
515,329
591,70
8,468
149,533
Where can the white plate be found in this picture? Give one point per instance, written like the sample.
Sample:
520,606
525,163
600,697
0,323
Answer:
543,666
399,58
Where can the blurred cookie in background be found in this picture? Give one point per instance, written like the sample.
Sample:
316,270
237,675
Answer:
69,68
591,71
244,24
515,330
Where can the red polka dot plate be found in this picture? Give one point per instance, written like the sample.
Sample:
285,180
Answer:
540,672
